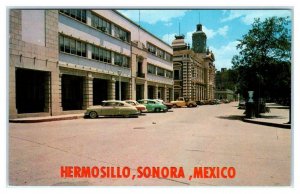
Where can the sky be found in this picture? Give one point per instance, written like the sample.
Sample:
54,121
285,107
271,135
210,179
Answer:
223,28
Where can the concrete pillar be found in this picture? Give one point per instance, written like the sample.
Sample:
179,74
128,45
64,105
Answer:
171,94
155,91
12,93
111,89
145,90
88,91
128,90
47,106
56,102
165,93
133,88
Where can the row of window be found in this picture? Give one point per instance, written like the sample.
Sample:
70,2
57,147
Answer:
77,14
98,22
72,46
105,26
159,52
152,69
101,24
77,47
101,54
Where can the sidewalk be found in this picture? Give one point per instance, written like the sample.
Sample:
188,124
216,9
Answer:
277,117
46,118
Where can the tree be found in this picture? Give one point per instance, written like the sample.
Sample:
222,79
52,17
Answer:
263,64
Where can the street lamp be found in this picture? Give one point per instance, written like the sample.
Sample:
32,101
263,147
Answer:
119,73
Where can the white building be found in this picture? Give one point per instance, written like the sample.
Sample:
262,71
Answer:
62,61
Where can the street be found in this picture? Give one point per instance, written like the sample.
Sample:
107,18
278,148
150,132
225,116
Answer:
210,135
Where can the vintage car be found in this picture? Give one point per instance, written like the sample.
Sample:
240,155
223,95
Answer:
140,107
153,105
183,102
112,108
167,104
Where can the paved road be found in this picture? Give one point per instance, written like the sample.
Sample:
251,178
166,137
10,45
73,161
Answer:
211,135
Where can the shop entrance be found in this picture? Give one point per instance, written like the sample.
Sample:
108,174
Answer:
100,92
72,92
32,91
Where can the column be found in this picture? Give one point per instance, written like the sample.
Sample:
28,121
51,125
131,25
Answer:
128,90
133,88
145,90
165,93
56,98
88,91
12,93
156,91
111,89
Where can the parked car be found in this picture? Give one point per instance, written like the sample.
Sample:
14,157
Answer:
112,108
140,107
216,101
181,102
167,104
153,105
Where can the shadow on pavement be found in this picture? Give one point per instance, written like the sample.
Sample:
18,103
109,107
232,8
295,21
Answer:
232,117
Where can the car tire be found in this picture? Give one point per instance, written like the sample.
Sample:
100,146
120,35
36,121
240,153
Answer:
157,110
190,105
93,115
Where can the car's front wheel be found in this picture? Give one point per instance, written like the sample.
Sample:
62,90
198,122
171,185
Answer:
157,110
93,115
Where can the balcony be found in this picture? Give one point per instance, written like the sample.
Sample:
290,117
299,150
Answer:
140,74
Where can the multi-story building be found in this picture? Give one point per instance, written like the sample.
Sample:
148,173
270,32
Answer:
194,71
62,61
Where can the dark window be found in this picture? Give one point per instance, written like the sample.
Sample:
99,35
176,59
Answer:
101,24
72,46
169,74
152,49
121,60
160,71
77,14
122,34
151,68
101,54
168,57
176,74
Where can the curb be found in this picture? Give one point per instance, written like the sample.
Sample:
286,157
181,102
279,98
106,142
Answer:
39,120
286,126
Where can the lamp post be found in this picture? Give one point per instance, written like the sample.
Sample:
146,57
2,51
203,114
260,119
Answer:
119,73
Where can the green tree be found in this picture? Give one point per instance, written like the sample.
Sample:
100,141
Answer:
263,64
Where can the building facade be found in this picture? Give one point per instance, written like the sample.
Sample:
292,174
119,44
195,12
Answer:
194,70
62,61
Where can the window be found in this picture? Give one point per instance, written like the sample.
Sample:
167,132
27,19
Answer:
151,68
101,54
160,53
101,24
160,71
122,34
168,57
169,74
72,46
121,60
177,74
77,14
151,49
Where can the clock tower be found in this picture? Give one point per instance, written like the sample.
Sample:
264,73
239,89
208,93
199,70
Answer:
199,40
